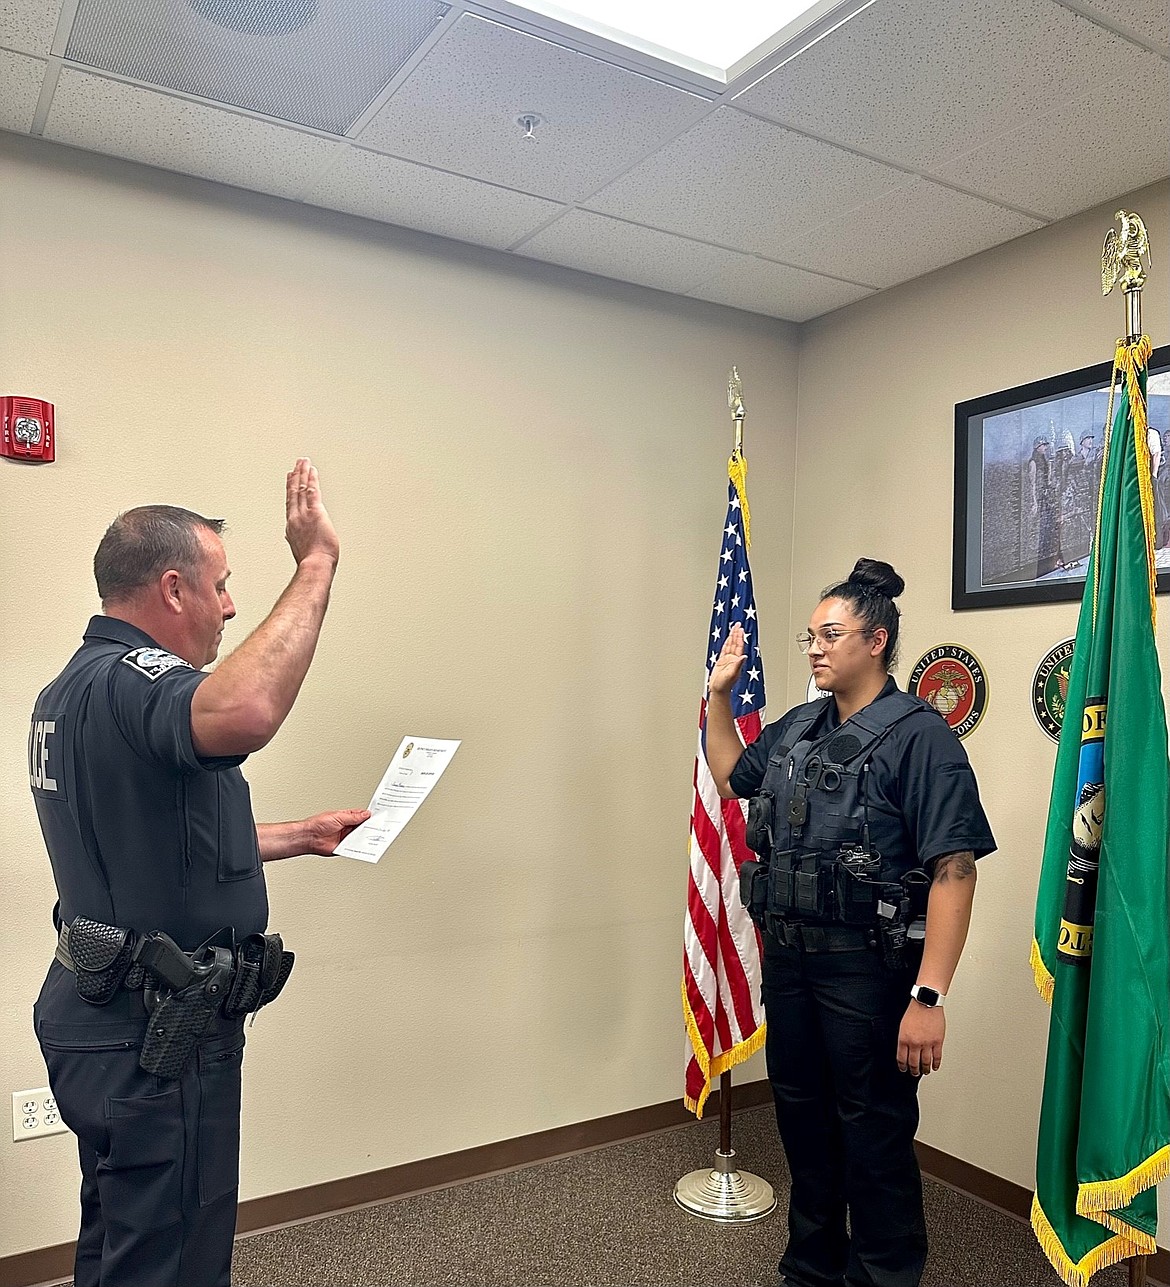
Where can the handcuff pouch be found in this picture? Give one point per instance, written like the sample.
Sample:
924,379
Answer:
102,956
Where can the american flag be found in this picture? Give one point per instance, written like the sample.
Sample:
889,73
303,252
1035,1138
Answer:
721,949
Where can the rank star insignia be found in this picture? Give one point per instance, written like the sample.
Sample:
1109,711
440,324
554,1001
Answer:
1050,688
952,680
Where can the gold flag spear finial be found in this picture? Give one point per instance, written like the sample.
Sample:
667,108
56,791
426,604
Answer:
735,406
1121,261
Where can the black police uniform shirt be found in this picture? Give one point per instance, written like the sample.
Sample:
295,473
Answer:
922,797
141,832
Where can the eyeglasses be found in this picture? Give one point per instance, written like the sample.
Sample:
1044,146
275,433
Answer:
826,638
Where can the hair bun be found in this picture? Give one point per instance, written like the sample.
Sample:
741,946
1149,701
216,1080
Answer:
873,574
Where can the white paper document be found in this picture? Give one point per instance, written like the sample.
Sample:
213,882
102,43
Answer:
417,765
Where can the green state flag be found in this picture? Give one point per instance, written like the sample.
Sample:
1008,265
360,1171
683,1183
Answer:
1101,954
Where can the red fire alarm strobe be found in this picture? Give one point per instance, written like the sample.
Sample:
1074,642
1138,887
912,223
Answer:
26,429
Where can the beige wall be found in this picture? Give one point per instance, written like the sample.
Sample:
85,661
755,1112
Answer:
878,384
527,467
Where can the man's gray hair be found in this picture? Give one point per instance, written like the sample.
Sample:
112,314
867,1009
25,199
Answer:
143,543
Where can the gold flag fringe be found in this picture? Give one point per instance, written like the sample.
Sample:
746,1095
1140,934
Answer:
1078,1273
1097,1199
712,1068
737,471
1040,972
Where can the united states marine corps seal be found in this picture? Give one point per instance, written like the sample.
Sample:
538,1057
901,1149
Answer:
1050,688
952,680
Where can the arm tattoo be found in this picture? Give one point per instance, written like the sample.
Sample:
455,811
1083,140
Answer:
960,865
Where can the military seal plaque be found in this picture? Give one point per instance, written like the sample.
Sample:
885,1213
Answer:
1050,687
951,679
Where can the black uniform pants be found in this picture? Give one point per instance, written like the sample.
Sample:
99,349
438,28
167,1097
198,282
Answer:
159,1157
847,1118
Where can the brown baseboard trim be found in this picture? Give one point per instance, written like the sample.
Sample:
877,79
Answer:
45,1265
51,1264
476,1163
993,1190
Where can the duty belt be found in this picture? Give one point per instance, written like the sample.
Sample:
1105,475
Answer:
183,991
821,938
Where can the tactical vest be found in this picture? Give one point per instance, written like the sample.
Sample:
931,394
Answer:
809,822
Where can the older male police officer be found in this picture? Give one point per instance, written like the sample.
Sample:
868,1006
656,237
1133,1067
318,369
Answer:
134,755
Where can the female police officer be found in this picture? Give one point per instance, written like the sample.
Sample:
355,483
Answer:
865,811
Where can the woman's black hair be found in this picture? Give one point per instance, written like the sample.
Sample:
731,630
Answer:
870,590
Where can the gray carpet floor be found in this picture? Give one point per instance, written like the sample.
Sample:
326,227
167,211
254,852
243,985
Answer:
607,1218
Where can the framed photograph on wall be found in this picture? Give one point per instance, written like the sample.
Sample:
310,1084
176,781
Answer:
1027,473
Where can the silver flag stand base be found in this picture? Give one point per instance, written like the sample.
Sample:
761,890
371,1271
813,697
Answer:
724,1193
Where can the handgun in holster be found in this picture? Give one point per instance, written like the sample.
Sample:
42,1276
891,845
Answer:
194,988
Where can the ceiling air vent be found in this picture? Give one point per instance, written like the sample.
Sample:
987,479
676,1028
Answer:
318,63
258,17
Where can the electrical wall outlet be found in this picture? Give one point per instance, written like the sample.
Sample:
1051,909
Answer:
34,1113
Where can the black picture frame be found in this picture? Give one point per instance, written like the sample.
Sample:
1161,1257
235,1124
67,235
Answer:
1025,507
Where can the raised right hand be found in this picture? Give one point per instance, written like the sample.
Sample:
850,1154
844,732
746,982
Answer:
728,664
308,527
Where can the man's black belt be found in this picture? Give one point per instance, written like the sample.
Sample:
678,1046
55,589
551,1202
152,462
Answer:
821,938
183,991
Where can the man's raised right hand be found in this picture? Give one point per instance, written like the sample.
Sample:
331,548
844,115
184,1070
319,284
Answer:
308,529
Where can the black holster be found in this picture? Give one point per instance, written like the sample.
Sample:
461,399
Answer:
180,1018
229,981
183,991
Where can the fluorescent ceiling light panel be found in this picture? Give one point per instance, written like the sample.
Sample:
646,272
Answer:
702,36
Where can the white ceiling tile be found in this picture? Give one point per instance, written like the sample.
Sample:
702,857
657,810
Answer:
746,183
759,286
904,234
123,120
457,110
415,196
319,63
21,78
627,251
781,207
29,25
917,83
1149,19
1113,140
